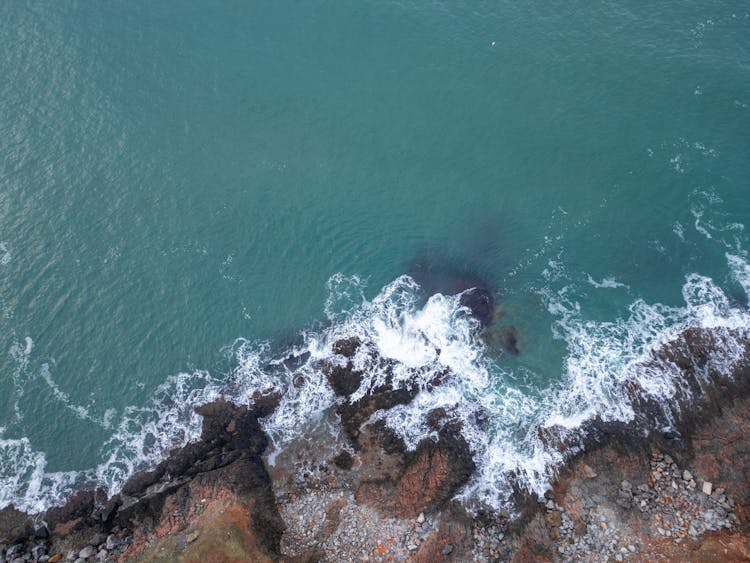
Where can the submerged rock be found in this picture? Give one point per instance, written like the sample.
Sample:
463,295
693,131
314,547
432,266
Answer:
481,303
502,338
476,294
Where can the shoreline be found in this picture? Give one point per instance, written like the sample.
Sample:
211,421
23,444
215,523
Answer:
363,496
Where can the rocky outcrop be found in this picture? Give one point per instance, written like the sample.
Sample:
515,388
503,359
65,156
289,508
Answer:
201,495
481,303
680,494
434,472
421,480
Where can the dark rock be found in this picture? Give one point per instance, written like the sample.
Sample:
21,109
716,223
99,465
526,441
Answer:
436,417
139,482
41,533
353,415
38,551
98,539
78,508
481,303
387,439
447,550
106,511
265,403
344,380
15,525
233,427
347,347
343,460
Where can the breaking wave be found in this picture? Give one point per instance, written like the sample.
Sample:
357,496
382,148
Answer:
423,336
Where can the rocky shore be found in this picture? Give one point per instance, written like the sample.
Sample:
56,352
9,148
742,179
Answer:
682,494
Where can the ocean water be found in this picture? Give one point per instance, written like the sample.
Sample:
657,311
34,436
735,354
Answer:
191,194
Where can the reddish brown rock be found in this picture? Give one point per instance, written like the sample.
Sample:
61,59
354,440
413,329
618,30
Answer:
15,525
434,472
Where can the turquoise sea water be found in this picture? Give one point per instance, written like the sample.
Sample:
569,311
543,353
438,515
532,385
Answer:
174,177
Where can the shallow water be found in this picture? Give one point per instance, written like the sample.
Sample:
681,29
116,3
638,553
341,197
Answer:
173,181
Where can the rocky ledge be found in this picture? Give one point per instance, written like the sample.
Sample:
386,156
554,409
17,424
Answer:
681,494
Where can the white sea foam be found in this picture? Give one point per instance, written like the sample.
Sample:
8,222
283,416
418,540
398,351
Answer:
606,283
500,420
503,421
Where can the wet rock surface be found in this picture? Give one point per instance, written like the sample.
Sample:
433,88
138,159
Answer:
219,484
681,494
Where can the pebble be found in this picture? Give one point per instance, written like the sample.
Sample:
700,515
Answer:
112,543
707,486
420,518
14,551
86,552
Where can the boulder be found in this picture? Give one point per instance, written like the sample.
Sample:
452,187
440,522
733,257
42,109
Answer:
481,303
434,472
15,525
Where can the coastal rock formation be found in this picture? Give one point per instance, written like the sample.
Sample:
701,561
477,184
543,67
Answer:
676,494
213,497
434,472
420,480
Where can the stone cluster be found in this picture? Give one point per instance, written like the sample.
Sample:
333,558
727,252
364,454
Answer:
603,538
489,539
100,548
676,506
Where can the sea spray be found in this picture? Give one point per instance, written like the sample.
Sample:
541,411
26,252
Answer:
419,339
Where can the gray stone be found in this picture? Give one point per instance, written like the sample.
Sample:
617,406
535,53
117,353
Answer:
447,550
112,543
14,551
707,486
98,539
686,475
87,552
38,551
